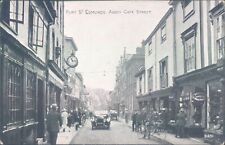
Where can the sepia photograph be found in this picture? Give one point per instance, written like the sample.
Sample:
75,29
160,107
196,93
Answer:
112,72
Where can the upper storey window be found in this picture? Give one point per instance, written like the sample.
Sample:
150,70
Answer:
163,33
188,8
13,13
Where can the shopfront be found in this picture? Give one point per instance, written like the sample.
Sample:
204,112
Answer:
20,74
193,97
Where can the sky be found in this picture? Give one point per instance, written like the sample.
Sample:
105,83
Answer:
101,30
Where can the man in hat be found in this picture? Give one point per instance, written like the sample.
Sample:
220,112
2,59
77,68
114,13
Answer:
181,121
54,121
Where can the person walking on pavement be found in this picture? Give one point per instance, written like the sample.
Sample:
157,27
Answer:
134,121
64,119
147,124
69,120
53,123
180,123
76,119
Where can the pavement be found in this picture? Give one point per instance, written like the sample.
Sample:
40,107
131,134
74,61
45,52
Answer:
170,139
63,137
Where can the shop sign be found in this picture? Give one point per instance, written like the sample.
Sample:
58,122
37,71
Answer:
198,98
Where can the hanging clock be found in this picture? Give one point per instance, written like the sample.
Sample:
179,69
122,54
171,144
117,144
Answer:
72,61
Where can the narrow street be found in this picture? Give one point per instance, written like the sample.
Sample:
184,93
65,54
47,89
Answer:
119,133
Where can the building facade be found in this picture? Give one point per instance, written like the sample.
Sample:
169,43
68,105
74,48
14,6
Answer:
199,32
124,94
193,61
72,95
24,40
55,66
155,80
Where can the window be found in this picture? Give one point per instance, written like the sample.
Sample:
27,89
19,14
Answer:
14,93
189,43
150,79
220,37
30,96
53,45
163,73
36,29
140,84
150,48
189,54
163,33
220,47
188,8
13,13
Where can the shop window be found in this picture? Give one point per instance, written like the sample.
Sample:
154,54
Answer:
214,106
13,13
36,29
30,96
163,33
15,99
163,72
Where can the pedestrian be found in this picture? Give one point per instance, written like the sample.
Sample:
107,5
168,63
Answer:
69,121
64,119
148,124
180,123
134,120
76,119
138,122
126,116
53,122
79,116
164,117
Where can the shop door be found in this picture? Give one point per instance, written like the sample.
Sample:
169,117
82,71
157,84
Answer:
40,100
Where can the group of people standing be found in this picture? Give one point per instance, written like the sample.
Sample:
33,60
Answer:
65,120
155,121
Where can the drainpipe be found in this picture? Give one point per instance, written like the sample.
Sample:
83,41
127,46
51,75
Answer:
201,35
47,74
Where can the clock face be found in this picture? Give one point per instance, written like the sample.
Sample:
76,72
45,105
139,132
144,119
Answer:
72,61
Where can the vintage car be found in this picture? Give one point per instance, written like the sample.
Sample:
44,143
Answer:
113,114
100,119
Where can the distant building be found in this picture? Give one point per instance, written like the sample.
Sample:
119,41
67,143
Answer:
72,93
124,91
